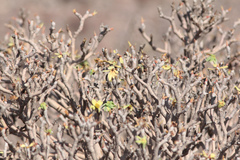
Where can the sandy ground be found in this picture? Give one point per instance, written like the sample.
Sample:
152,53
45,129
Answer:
123,15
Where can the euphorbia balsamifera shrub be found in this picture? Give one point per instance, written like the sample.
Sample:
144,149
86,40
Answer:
57,104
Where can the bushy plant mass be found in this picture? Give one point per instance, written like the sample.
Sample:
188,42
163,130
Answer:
59,100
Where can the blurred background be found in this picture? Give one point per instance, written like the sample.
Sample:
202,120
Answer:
123,15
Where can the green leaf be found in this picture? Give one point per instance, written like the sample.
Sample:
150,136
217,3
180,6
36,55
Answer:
84,64
109,106
43,106
92,71
49,131
211,58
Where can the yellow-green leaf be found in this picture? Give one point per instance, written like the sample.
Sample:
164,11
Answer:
11,42
177,73
130,45
65,125
238,89
166,67
212,156
32,144
223,67
28,146
204,154
111,67
211,69
96,104
130,107
112,74
94,13
58,55
41,25
221,104
121,60
23,146
141,140
66,53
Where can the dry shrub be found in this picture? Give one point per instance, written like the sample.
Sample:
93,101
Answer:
56,104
